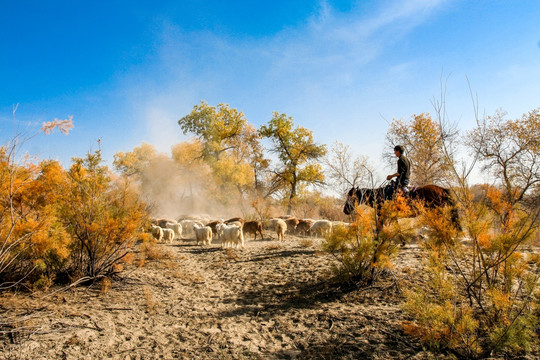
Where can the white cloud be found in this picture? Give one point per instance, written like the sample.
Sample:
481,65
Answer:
313,70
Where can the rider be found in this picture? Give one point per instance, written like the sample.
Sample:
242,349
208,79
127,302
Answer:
403,173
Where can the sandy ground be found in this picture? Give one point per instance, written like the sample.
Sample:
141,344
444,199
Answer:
269,301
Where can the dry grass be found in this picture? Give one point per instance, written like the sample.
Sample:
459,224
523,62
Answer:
106,286
139,263
128,259
306,243
74,341
218,263
152,305
232,254
274,247
118,268
153,251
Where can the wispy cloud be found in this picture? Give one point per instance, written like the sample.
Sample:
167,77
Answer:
299,66
340,42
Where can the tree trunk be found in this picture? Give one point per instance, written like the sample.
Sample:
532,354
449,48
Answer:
291,197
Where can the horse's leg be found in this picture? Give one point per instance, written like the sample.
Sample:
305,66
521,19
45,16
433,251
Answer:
455,218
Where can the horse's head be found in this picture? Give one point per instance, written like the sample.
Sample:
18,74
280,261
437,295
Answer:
357,196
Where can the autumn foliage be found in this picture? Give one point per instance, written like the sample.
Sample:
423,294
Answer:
62,224
481,290
364,251
102,217
479,297
34,244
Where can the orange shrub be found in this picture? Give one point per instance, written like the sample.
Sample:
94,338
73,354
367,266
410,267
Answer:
33,242
479,298
102,216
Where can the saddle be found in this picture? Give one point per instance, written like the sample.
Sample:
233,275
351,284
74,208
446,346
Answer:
393,188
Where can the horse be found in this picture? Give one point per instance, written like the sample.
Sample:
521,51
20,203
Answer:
432,196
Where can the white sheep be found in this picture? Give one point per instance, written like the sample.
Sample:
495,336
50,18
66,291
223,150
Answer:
280,226
231,235
187,226
157,232
168,235
203,234
321,228
176,227
270,224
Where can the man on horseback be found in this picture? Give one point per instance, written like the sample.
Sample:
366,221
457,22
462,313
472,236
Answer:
403,173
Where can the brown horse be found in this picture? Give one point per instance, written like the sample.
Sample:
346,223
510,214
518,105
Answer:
432,196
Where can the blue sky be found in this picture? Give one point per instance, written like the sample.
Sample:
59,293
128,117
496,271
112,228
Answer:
128,70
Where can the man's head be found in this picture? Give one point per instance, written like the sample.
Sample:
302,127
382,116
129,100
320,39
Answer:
399,150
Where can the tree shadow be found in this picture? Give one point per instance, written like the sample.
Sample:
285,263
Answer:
288,296
351,339
279,254
201,250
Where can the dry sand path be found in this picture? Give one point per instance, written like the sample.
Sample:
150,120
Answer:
269,301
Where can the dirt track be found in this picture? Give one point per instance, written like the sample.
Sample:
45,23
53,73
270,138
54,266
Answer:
269,301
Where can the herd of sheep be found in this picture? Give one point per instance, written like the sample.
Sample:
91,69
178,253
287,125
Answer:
230,233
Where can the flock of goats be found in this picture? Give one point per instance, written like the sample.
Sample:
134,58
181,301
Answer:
230,233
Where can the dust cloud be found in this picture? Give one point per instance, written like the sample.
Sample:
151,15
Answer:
174,192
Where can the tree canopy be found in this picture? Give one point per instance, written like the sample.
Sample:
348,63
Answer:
216,126
421,137
510,149
296,151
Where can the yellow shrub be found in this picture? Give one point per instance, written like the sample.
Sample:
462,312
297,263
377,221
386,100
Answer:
478,299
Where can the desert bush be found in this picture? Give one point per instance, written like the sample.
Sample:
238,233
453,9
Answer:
482,297
365,250
479,299
103,217
152,305
33,242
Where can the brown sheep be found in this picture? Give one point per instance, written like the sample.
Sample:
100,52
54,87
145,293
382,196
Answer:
162,223
303,226
253,227
237,223
291,224
213,225
235,219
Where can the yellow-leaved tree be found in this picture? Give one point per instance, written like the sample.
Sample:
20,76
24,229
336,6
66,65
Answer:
136,161
423,142
297,153
216,126
230,147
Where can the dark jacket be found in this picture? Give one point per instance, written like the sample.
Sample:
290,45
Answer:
404,170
